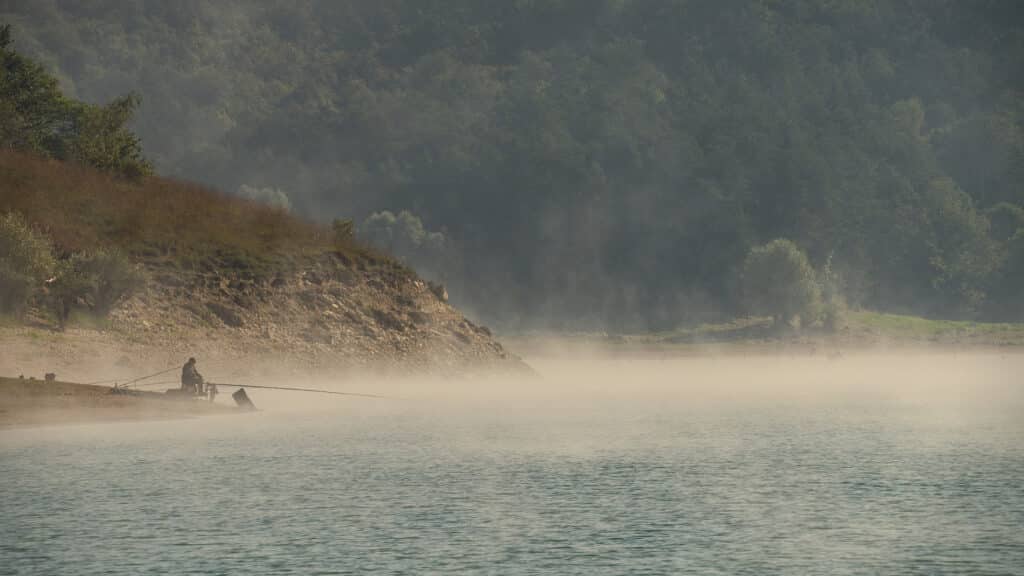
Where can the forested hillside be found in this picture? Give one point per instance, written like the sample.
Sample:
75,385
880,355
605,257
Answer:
594,163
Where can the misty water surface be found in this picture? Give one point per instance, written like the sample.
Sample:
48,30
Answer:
643,466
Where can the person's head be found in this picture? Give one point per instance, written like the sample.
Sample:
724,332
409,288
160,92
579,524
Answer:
191,360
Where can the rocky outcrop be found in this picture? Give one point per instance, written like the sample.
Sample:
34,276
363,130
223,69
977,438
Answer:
329,309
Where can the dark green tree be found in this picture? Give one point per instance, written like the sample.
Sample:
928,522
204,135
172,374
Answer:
36,117
100,138
779,282
26,263
34,114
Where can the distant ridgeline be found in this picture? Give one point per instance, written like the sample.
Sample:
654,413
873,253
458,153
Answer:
621,164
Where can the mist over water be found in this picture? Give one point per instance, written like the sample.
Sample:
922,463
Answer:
884,463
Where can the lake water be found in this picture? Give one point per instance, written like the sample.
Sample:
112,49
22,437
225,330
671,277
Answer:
644,465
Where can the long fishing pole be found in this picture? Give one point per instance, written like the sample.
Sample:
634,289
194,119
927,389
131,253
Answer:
98,382
162,372
301,390
131,382
160,383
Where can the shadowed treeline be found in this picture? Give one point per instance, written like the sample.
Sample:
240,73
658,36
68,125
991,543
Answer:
597,164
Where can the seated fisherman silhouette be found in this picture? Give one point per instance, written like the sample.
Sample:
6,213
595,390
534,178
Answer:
191,379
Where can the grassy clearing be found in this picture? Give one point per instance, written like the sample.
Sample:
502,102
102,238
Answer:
862,328
161,222
739,329
924,329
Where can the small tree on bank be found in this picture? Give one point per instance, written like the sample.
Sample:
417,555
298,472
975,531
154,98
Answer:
778,281
26,261
30,274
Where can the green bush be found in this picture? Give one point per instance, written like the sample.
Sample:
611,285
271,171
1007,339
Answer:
110,275
270,196
15,289
778,281
406,238
344,232
834,309
94,281
834,314
26,262
68,291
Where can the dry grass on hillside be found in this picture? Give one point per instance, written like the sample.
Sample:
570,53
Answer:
157,219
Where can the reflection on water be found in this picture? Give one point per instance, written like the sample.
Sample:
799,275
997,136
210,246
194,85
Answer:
640,466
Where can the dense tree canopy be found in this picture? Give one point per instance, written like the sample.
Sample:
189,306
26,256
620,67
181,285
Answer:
596,162
35,116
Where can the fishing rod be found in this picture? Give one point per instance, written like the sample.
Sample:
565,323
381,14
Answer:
99,382
132,382
317,390
141,378
160,383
